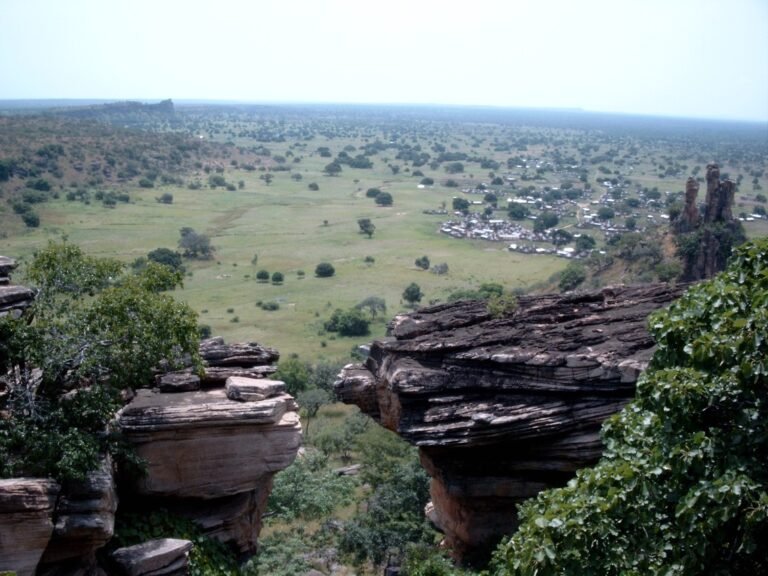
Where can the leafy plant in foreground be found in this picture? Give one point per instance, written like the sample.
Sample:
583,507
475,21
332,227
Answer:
683,485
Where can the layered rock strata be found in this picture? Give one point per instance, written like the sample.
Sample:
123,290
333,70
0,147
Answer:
210,457
502,408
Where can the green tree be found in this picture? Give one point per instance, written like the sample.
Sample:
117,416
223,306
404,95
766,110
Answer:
422,262
92,329
262,276
195,245
366,226
461,205
605,213
682,487
384,199
348,322
374,305
372,192
545,221
561,237
165,198
166,257
324,270
412,294
332,169
517,211
585,243
294,373
573,275
277,278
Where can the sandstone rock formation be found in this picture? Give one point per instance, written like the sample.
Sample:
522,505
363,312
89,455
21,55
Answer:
212,458
705,239
26,522
502,408
13,299
162,557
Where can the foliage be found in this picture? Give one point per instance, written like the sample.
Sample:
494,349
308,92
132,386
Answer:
366,226
324,270
460,205
424,560
384,199
545,221
682,485
277,278
348,322
584,243
294,373
572,277
517,211
166,256
208,557
308,489
195,245
412,293
262,276
374,305
422,262
500,305
93,332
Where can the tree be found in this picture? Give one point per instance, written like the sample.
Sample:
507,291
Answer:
294,373
366,226
194,245
491,198
165,198
332,169
427,181
374,305
372,192
314,186
412,294
517,211
573,275
545,221
422,263
92,331
561,237
605,213
384,199
167,257
585,243
262,276
348,322
681,487
324,270
461,205
454,168
277,278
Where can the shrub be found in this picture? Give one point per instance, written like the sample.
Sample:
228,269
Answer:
350,322
262,276
324,270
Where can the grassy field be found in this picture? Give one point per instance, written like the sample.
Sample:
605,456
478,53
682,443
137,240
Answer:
291,229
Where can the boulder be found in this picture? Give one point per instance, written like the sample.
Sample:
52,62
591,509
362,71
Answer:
85,518
252,390
504,407
26,522
178,382
162,557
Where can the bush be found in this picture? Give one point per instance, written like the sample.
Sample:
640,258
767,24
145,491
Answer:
573,275
324,270
277,278
422,263
262,276
270,306
372,192
350,322
384,199
31,219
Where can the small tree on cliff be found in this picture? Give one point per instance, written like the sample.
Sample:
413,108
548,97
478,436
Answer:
91,332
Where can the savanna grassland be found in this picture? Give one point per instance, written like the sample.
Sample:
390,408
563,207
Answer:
243,175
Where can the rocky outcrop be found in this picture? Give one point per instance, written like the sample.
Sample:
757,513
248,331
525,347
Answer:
503,407
13,299
7,265
706,236
84,519
211,457
26,522
162,557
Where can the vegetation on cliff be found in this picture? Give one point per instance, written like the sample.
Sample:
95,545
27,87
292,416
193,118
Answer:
91,332
682,486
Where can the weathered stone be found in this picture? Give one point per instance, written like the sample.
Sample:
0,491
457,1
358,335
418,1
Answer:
15,299
243,355
85,517
7,265
203,445
26,522
178,382
502,408
215,376
253,390
166,557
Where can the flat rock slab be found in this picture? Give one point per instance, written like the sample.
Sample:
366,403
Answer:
253,390
178,382
163,556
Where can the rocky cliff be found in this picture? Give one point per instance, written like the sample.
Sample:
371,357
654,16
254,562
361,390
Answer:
211,443
504,407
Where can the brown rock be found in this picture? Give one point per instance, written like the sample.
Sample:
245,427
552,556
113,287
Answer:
26,512
84,519
502,408
253,390
178,382
243,355
166,557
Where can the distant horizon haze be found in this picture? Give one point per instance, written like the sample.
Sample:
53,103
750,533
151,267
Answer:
702,59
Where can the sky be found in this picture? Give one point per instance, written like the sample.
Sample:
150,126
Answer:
687,58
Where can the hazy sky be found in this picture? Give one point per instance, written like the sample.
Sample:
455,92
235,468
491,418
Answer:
698,58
